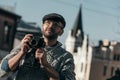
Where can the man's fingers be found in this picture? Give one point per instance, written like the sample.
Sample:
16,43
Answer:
40,50
27,37
39,53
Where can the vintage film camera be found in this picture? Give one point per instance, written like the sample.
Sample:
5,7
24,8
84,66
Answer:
37,42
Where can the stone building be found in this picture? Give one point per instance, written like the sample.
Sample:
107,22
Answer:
105,60
13,29
8,26
92,62
116,76
77,44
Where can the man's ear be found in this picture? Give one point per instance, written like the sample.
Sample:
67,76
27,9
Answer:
61,32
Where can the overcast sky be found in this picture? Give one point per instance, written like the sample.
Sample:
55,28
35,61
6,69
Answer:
100,17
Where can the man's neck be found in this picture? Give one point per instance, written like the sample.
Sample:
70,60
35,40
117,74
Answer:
50,42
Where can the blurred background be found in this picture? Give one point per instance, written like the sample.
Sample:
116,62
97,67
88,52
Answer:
92,32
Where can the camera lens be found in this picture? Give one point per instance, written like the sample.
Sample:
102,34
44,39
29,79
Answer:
33,42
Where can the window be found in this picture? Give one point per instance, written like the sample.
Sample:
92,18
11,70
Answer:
86,68
104,70
7,33
81,67
112,70
116,57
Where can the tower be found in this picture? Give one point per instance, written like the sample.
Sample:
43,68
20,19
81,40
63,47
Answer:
77,44
75,36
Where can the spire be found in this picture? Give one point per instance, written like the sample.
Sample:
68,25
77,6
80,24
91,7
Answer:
77,27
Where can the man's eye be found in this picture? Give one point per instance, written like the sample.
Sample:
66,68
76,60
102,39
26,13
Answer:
47,22
56,24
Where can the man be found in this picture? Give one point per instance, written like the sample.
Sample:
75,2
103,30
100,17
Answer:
50,62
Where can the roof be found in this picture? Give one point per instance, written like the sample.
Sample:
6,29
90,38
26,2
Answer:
78,24
8,13
26,28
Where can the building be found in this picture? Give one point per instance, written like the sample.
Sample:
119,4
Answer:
13,29
92,62
105,60
8,26
116,76
77,44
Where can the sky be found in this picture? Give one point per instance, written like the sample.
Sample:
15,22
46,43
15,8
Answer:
100,17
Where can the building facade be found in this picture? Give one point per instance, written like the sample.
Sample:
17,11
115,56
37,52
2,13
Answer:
77,44
8,26
92,62
105,60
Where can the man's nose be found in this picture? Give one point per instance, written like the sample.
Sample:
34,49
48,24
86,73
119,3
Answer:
52,25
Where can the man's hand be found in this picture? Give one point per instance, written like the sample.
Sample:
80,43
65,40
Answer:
24,43
14,61
41,56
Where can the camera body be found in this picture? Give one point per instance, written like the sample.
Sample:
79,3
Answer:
37,42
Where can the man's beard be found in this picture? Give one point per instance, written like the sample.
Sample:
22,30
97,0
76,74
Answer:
52,36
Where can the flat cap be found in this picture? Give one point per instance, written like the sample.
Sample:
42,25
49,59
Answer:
55,17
